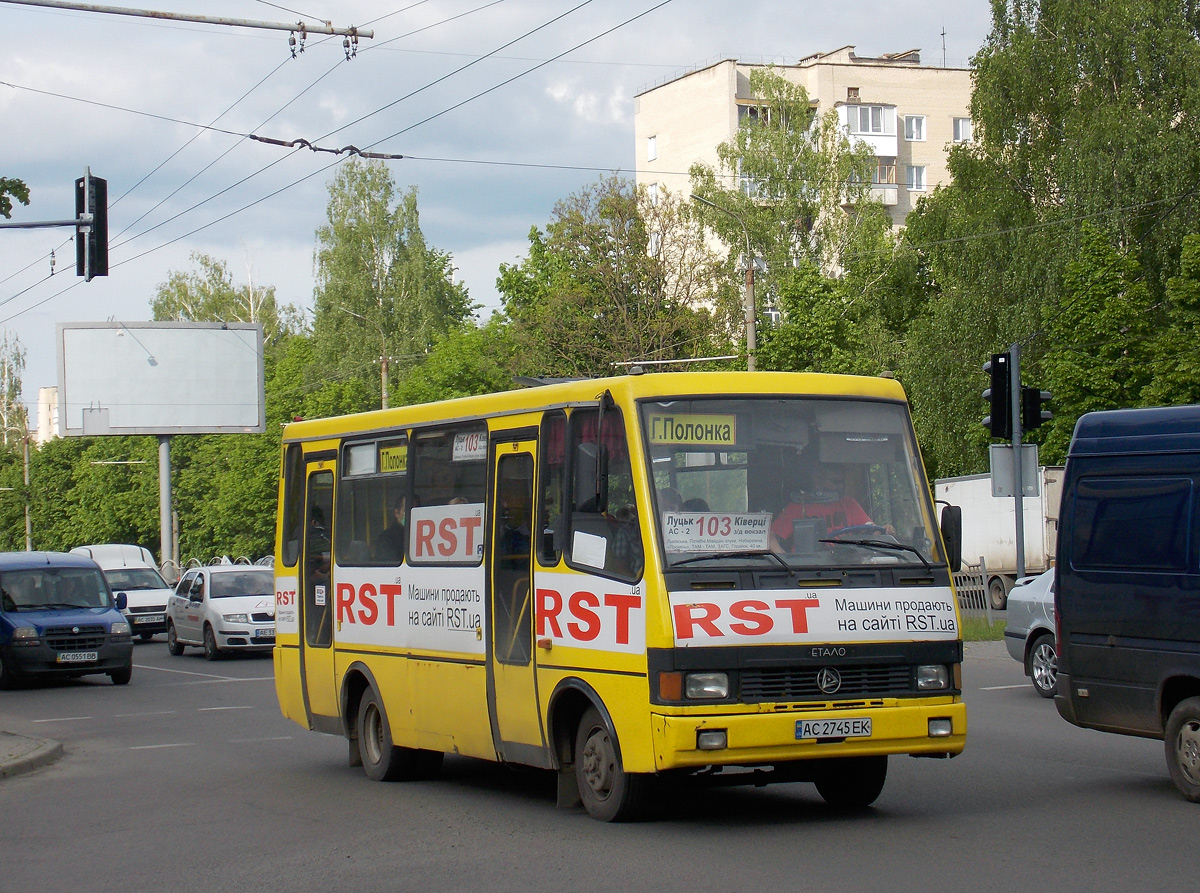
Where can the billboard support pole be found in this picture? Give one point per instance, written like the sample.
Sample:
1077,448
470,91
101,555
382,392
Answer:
164,497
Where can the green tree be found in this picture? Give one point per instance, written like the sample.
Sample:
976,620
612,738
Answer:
801,198
1102,335
466,361
10,189
616,276
1176,361
382,291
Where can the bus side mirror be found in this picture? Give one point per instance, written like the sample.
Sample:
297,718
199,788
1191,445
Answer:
952,536
591,478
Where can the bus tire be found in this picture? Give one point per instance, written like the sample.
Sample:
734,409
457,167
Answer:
609,793
1182,741
381,759
852,782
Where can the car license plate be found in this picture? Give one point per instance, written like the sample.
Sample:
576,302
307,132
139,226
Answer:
264,633
77,657
846,727
148,618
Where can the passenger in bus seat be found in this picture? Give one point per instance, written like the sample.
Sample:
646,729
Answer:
389,544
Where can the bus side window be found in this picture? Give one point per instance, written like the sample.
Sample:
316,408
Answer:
553,468
293,504
605,532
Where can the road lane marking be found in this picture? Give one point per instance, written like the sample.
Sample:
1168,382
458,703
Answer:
259,740
63,719
1002,687
161,746
153,713
188,673
206,709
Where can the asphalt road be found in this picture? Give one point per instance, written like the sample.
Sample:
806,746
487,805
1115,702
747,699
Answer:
189,779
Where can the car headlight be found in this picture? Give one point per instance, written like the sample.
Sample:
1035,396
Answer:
236,618
933,677
25,635
699,686
119,628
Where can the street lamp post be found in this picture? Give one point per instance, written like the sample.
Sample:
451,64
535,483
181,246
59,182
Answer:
751,315
383,357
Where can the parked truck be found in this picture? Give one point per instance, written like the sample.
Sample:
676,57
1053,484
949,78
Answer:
989,528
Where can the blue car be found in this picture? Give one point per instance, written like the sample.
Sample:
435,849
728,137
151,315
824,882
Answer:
58,617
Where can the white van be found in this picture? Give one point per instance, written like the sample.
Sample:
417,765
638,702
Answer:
131,569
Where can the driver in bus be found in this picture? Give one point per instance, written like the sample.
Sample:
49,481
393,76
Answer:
826,501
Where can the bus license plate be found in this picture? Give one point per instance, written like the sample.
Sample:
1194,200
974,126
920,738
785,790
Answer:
264,633
77,657
847,727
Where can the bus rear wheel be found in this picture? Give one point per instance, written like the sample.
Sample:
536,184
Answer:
852,782
609,793
1182,740
381,759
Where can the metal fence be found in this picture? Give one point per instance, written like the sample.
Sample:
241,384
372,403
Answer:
971,586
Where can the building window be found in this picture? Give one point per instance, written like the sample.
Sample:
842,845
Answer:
885,172
916,178
963,130
651,148
652,194
914,128
871,119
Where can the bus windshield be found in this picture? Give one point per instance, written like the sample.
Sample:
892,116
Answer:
812,482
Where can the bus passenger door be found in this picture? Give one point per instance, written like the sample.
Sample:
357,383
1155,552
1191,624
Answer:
316,604
512,680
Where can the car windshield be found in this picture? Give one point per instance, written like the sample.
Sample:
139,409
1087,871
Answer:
128,579
49,588
814,482
247,582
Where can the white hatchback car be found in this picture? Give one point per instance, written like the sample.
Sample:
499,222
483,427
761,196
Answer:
1029,630
223,607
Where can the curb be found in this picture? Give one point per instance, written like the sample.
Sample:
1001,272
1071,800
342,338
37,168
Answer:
19,754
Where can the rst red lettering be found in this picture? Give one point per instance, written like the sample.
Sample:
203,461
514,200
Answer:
580,606
471,527
391,592
424,538
688,617
345,602
549,606
758,621
624,604
369,612
798,607
449,542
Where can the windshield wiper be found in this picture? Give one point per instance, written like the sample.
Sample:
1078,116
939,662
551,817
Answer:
756,553
51,605
882,544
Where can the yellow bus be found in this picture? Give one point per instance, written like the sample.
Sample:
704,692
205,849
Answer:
737,576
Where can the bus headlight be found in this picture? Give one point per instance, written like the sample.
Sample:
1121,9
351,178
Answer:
933,677
706,686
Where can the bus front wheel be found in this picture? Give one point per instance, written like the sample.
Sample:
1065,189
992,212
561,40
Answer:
609,793
381,759
852,782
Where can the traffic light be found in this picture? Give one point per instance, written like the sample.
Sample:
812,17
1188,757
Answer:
999,396
1032,413
91,247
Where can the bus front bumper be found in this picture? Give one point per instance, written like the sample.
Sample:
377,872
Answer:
694,741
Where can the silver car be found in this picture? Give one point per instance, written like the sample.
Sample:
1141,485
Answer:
222,608
1029,632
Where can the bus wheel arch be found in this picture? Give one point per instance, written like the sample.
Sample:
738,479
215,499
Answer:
373,746
588,756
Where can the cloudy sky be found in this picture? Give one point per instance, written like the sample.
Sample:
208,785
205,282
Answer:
500,107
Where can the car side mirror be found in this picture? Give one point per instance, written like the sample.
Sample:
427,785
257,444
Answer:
122,601
951,525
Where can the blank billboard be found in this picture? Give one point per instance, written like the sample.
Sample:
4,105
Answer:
160,378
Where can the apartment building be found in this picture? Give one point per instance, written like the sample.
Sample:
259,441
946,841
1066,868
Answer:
908,112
